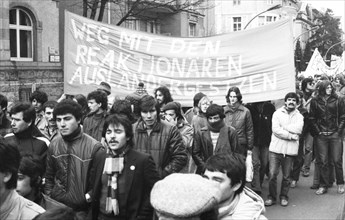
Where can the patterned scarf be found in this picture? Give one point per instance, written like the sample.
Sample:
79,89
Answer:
113,167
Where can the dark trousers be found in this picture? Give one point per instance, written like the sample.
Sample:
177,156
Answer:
330,148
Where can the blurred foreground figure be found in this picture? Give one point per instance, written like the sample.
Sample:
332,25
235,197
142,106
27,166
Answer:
12,205
185,196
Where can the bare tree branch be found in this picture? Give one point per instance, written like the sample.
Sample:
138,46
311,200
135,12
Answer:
94,9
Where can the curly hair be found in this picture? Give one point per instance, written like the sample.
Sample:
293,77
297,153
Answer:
41,97
165,92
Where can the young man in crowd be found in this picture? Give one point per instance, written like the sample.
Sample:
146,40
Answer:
29,184
12,205
308,88
127,185
213,139
287,125
173,115
163,96
5,124
37,99
69,159
25,134
48,128
158,138
94,121
228,171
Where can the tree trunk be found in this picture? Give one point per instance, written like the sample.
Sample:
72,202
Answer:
85,8
94,9
101,10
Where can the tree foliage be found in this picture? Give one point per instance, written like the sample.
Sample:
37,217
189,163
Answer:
299,61
326,36
139,9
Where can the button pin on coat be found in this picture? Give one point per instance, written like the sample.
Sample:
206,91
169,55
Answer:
132,167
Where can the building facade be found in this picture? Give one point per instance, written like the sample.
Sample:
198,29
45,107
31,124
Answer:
32,42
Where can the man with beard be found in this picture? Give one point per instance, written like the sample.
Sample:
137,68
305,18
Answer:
48,128
163,96
122,177
287,125
37,99
158,138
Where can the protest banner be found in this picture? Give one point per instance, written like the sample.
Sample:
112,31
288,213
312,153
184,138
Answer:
259,61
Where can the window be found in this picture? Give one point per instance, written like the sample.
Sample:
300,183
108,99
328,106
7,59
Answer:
192,29
262,20
152,27
21,35
236,2
133,24
270,2
236,23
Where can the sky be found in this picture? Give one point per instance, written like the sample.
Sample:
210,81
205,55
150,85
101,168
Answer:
337,6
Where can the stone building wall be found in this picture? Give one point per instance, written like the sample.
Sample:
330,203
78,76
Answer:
17,81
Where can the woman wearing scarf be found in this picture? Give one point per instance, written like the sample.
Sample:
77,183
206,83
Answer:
122,177
214,138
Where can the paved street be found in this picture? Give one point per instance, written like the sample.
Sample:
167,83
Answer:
304,203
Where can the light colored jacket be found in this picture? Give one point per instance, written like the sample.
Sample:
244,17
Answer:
284,126
246,205
17,207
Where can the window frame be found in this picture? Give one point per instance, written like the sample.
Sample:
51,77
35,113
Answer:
17,27
238,24
190,24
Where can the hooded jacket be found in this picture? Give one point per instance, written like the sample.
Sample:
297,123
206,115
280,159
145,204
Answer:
68,164
246,205
284,125
164,144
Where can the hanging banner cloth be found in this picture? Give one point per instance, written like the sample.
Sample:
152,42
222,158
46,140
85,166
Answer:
259,61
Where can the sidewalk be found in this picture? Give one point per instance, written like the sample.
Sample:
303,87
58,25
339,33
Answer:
304,203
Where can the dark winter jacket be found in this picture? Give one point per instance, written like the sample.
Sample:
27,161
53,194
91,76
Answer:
29,143
241,120
5,125
93,124
138,175
203,147
261,113
327,115
68,165
164,144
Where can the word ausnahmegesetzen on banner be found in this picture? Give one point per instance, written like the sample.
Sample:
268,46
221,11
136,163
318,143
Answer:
258,61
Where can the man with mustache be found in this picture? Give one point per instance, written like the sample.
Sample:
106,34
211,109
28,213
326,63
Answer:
69,159
287,125
122,177
48,128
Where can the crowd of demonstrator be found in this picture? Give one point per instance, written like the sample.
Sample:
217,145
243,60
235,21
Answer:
141,157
